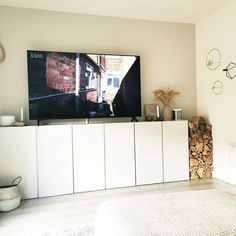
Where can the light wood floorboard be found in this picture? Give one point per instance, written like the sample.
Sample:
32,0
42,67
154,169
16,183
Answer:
37,215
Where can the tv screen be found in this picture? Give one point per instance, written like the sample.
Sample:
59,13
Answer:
65,85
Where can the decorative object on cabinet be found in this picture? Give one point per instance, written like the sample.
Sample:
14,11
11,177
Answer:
230,70
213,59
177,113
200,148
7,120
10,195
152,112
2,53
19,124
166,97
217,87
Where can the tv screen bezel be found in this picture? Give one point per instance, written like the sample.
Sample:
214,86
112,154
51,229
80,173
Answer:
139,114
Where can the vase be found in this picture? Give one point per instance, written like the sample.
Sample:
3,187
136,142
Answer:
166,113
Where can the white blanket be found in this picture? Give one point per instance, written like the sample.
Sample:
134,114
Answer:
197,213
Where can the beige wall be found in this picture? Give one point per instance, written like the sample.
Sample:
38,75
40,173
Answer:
218,31
167,51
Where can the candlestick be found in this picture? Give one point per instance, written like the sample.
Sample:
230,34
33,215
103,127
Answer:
158,112
21,114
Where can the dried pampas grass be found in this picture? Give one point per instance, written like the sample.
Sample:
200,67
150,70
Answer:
166,97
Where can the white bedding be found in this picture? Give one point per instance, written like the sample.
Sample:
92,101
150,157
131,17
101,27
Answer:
200,213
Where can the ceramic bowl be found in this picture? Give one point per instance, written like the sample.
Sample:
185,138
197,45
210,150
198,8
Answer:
7,120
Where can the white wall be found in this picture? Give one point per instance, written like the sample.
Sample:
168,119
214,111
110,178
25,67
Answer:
218,31
167,51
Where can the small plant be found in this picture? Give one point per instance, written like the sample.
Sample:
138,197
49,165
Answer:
166,97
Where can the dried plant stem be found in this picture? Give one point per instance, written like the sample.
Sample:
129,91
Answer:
166,97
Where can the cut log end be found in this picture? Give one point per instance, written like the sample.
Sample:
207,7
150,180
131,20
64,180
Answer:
200,148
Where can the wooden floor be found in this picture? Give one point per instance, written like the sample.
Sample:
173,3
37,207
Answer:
43,214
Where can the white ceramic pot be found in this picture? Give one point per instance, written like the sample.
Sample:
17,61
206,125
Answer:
7,120
10,204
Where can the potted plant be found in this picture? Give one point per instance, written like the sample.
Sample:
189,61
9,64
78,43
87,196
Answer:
166,97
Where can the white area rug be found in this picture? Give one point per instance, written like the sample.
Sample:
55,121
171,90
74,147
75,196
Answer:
194,213
87,230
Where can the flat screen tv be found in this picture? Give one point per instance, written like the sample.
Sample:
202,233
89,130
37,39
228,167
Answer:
65,85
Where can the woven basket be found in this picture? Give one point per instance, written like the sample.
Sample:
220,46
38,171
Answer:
10,195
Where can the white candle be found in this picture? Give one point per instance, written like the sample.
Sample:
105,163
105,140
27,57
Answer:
21,114
158,112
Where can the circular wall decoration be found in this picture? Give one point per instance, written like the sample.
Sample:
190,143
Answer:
2,53
217,87
213,59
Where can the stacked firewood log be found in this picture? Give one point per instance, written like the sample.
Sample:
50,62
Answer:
200,148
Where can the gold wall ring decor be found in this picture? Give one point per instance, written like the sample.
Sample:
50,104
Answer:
213,59
217,87
2,53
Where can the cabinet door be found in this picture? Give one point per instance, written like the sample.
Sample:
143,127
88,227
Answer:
88,150
18,157
175,150
148,146
54,151
119,153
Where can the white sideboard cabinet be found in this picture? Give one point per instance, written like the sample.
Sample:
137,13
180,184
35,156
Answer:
18,158
148,150
55,164
175,151
89,163
62,159
119,155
